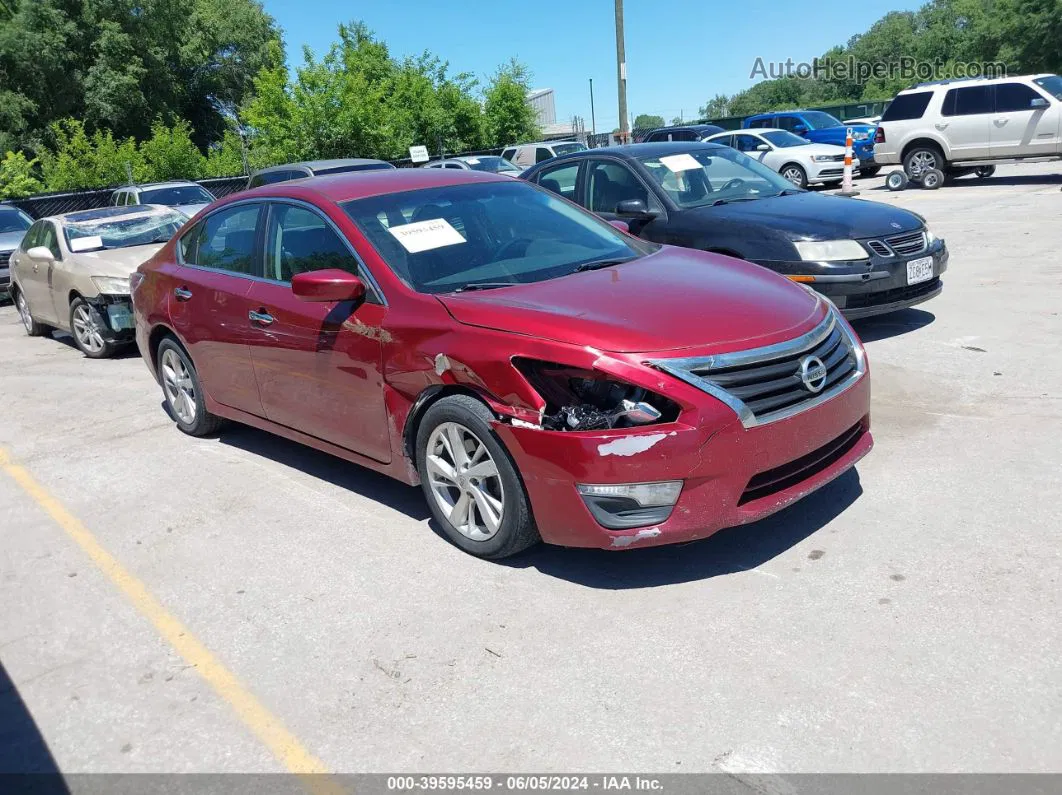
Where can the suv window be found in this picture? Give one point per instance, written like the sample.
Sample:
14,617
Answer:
907,106
1014,96
763,123
509,154
967,101
560,179
611,183
300,241
225,240
542,153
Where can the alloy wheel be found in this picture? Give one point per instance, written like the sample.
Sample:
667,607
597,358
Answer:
179,387
465,481
794,175
922,161
23,312
87,330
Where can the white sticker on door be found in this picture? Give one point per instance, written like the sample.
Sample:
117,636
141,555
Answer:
683,162
426,235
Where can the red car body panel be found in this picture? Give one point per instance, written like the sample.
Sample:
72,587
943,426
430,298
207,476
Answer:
353,384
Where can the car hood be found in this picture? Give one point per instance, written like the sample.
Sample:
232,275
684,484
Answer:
674,298
837,135
119,262
813,216
10,240
189,209
817,149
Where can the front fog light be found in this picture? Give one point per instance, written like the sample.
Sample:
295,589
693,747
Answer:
619,506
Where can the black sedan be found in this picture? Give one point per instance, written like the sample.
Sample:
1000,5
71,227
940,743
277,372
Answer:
868,258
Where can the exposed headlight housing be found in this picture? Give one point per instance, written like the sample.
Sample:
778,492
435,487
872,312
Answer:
830,250
619,506
112,285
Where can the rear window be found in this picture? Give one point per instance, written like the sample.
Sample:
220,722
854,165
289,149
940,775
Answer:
907,106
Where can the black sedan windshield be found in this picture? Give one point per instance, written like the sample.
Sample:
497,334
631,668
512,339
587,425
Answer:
492,234
13,220
701,177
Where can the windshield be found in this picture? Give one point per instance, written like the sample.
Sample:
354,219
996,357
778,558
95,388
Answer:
1052,84
495,234
817,120
491,163
701,177
139,229
563,149
784,140
13,220
176,194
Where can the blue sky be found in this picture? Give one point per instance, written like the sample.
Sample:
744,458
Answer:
679,54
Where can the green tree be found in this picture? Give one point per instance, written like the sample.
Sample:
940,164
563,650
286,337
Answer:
170,152
225,158
16,177
715,108
646,121
508,117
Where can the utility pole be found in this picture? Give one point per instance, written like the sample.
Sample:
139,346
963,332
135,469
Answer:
593,121
621,75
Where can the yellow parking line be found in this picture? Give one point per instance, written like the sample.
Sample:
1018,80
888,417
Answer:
268,728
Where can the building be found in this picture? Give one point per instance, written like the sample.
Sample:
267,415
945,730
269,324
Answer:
542,101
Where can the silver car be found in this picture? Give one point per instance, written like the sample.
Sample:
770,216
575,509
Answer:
13,226
188,197
492,163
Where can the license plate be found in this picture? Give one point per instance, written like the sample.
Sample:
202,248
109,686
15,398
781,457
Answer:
120,317
920,270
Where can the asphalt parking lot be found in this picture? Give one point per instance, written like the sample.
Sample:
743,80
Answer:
242,603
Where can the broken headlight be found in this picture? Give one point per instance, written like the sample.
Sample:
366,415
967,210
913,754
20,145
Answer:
587,400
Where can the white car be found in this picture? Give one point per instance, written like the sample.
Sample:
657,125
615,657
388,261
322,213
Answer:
959,126
797,159
188,197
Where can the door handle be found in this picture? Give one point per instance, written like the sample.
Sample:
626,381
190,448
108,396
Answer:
182,293
1000,122
261,317
941,126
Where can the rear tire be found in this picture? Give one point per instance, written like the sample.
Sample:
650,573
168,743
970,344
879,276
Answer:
922,158
470,481
33,328
795,174
183,391
985,171
86,327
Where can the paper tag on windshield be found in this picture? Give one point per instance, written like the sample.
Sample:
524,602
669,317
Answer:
426,235
683,162
86,243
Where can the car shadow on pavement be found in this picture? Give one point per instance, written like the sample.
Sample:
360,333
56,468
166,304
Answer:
872,329
124,352
732,550
23,749
408,500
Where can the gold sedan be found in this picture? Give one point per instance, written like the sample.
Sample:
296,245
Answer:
71,272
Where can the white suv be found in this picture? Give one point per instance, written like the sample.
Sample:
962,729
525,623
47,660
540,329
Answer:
959,126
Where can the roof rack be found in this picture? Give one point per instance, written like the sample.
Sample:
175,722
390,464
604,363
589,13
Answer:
948,81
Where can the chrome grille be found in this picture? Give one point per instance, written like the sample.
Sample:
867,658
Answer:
907,243
764,385
879,248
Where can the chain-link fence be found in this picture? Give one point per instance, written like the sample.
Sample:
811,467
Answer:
46,204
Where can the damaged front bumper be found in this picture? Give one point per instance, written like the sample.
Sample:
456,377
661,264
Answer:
730,474
114,317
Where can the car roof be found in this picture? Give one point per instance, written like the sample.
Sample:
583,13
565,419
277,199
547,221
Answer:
103,213
174,183
977,81
322,165
634,151
349,185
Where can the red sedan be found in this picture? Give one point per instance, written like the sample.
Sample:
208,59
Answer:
541,374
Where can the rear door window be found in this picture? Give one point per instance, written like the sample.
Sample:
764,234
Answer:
226,240
969,101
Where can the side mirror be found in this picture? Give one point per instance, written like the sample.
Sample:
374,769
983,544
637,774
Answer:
1038,102
800,129
40,254
763,148
635,208
621,225
327,286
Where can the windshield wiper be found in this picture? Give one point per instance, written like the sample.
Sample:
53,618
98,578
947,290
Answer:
482,286
601,263
717,202
789,192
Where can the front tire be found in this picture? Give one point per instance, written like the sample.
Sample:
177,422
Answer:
471,482
33,328
183,392
86,326
795,174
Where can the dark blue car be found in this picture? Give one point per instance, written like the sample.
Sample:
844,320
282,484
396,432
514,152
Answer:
822,128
